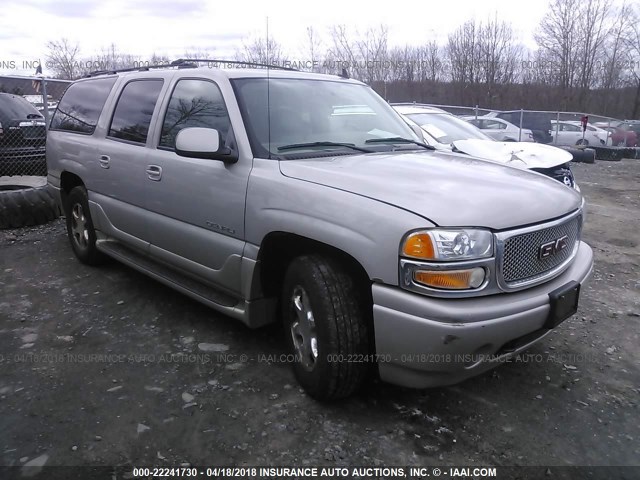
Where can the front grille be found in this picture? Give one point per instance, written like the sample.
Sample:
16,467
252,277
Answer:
521,260
37,132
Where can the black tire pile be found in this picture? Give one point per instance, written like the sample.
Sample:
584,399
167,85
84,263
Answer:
26,201
581,155
608,154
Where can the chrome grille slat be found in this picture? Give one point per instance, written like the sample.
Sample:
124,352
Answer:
520,261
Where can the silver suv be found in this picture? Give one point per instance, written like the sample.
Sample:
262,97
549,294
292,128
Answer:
274,195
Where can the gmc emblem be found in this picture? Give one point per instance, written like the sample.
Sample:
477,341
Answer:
553,247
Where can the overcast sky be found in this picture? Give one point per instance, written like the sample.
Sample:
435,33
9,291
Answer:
142,27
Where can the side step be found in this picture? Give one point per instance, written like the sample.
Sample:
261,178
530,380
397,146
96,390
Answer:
181,282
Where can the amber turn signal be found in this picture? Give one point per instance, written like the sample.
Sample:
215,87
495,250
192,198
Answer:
451,279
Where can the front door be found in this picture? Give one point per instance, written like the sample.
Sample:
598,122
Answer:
197,205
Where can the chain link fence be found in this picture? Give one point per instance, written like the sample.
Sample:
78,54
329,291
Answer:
24,121
555,127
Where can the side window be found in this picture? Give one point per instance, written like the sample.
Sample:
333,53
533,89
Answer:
81,105
493,125
133,112
194,103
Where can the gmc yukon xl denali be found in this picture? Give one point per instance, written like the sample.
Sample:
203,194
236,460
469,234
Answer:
275,195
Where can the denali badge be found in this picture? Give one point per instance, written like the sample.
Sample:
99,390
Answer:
553,247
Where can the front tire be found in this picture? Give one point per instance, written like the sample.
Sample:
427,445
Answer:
327,321
582,142
80,230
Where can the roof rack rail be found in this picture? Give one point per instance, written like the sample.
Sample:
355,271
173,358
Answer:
141,68
231,62
185,63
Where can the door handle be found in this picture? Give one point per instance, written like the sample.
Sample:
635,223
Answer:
154,172
104,161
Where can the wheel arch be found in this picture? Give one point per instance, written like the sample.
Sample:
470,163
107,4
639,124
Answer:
279,248
68,181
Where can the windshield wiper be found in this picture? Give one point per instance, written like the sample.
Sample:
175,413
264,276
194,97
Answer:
399,140
295,146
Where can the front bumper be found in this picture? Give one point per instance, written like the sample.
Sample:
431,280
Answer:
429,342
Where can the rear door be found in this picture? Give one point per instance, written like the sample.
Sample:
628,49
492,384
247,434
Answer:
570,134
121,159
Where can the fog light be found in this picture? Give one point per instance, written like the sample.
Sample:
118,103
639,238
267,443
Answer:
451,279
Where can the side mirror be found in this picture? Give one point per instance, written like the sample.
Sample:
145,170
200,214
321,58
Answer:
197,142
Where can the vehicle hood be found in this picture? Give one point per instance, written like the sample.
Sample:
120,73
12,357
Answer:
515,154
446,188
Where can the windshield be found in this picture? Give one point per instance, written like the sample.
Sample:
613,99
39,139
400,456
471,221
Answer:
302,117
446,128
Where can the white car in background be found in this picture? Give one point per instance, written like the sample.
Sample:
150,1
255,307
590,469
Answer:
570,133
603,135
500,130
445,131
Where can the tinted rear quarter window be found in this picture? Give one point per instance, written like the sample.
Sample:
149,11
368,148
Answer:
81,105
132,116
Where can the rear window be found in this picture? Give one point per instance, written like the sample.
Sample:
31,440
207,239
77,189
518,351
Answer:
81,106
132,116
13,107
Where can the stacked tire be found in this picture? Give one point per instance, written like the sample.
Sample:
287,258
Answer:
610,154
582,155
26,201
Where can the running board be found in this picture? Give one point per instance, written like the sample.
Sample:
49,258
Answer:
199,291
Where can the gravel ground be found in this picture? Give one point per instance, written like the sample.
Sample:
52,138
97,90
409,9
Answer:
106,366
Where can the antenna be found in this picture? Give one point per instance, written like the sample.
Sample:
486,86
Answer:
268,99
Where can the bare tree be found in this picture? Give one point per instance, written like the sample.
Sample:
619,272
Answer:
483,57
365,55
557,39
262,50
463,54
313,51
573,35
592,34
63,57
616,56
433,62
499,53
111,58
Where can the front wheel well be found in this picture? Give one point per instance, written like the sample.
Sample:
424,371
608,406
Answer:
278,249
68,181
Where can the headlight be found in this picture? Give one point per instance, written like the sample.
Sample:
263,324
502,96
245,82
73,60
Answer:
448,245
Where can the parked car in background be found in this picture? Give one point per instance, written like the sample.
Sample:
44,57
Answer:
22,137
601,133
500,129
538,122
621,133
445,131
634,126
38,103
570,133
